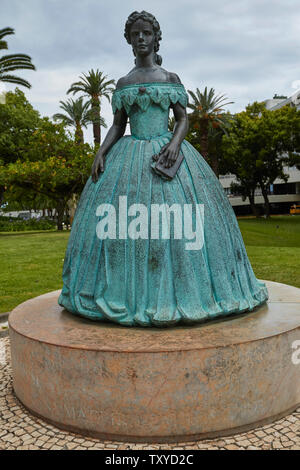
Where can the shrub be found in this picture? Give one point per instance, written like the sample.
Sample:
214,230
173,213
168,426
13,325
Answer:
8,224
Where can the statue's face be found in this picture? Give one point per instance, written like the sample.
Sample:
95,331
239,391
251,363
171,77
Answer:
142,37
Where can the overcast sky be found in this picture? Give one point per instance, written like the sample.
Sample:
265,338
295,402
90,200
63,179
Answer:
247,49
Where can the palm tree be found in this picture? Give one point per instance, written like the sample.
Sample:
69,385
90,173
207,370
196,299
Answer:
77,115
208,114
11,62
95,86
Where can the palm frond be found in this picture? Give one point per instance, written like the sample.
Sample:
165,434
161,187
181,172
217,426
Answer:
77,112
11,68
75,87
17,57
12,62
208,102
6,31
93,83
3,45
14,79
62,117
195,98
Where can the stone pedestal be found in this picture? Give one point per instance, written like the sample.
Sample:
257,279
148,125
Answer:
159,385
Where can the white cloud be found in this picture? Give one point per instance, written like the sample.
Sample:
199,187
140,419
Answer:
248,50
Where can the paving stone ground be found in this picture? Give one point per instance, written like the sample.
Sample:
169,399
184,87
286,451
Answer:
19,430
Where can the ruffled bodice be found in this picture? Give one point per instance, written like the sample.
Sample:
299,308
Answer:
147,105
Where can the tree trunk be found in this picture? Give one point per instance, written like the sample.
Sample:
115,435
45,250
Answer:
204,140
60,209
96,117
99,115
254,208
215,165
78,134
2,190
266,199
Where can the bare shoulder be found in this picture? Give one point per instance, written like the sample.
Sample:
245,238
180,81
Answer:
123,81
127,79
173,78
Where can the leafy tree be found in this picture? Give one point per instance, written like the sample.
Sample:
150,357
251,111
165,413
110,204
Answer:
41,162
11,62
259,144
208,115
78,115
95,86
55,178
18,121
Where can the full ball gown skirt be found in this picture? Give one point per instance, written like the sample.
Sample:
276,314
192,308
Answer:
146,281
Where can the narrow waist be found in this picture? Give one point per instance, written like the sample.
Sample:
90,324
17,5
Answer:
164,134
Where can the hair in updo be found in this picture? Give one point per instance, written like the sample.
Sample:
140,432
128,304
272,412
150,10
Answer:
144,15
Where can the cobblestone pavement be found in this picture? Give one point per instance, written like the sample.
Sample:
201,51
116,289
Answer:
21,431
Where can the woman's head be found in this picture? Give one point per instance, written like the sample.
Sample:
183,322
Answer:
142,31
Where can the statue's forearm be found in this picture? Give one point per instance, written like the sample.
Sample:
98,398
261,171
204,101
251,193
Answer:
113,135
181,124
115,132
180,131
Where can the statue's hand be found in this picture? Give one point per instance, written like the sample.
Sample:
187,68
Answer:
168,154
98,166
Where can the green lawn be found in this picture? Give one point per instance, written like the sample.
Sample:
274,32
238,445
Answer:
31,262
273,247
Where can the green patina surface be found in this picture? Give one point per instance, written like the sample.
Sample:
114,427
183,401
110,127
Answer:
148,281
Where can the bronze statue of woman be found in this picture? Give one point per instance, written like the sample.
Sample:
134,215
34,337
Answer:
145,250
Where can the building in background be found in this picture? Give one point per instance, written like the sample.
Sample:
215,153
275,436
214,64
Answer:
281,195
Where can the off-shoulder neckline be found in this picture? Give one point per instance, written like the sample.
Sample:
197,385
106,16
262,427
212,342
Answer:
149,84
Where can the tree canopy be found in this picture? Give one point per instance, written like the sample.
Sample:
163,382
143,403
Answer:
259,145
39,156
18,121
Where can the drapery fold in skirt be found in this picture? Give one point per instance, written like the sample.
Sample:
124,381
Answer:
156,281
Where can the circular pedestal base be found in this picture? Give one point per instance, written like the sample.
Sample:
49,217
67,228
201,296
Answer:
158,385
